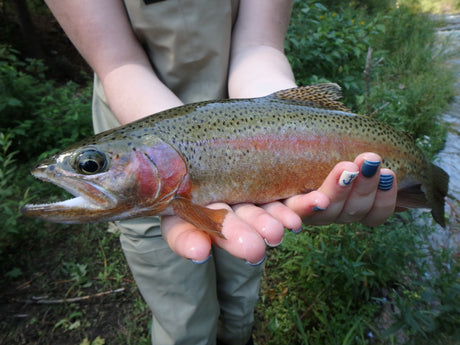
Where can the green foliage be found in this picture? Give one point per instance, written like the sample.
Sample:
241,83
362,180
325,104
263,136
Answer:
44,117
428,304
413,85
12,196
342,274
338,270
325,46
20,86
371,6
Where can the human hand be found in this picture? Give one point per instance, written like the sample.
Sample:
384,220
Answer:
249,228
369,199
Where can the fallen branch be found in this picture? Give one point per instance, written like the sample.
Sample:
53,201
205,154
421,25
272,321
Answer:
27,283
42,300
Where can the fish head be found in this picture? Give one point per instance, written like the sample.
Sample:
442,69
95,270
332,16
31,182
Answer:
110,180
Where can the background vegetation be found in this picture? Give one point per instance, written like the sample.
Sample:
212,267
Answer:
328,285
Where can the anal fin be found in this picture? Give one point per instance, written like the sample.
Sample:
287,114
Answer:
203,218
412,197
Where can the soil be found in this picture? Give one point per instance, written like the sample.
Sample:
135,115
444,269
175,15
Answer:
46,299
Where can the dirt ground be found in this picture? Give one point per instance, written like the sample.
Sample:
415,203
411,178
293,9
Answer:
68,284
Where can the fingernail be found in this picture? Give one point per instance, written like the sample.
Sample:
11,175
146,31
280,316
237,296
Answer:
369,168
347,177
257,263
296,231
200,262
318,209
273,245
386,182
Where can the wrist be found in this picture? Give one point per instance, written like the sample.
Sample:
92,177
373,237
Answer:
259,71
134,91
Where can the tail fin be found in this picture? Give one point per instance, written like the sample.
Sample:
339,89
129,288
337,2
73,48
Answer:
436,198
429,195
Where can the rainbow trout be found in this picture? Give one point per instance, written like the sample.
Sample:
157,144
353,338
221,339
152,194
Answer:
240,150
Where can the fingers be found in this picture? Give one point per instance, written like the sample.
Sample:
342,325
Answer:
268,227
247,230
372,198
305,205
241,239
355,191
385,200
185,239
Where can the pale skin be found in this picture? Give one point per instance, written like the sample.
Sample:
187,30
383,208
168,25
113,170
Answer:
101,32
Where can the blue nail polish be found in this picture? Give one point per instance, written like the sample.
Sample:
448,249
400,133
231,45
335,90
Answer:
386,182
257,263
296,231
317,209
369,168
201,262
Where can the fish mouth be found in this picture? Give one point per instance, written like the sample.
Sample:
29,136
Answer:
90,200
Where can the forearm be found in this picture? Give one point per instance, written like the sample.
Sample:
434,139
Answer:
258,65
101,32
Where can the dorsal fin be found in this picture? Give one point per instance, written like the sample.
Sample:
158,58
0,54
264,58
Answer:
325,96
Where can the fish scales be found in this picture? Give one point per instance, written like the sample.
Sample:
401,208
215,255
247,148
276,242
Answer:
243,150
273,144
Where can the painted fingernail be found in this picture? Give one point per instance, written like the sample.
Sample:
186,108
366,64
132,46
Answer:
296,231
201,262
318,209
369,168
273,245
386,182
257,263
347,177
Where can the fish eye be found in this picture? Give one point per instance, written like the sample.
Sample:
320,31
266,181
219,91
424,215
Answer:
90,162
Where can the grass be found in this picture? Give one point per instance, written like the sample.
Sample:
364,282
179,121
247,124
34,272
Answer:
347,280
328,285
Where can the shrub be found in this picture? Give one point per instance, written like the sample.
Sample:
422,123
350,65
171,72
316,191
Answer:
43,116
324,45
414,84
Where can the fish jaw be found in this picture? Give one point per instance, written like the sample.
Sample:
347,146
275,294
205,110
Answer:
90,199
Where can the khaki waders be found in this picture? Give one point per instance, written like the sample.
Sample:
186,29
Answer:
188,43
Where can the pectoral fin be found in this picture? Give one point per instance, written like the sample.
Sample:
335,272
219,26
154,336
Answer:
203,218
